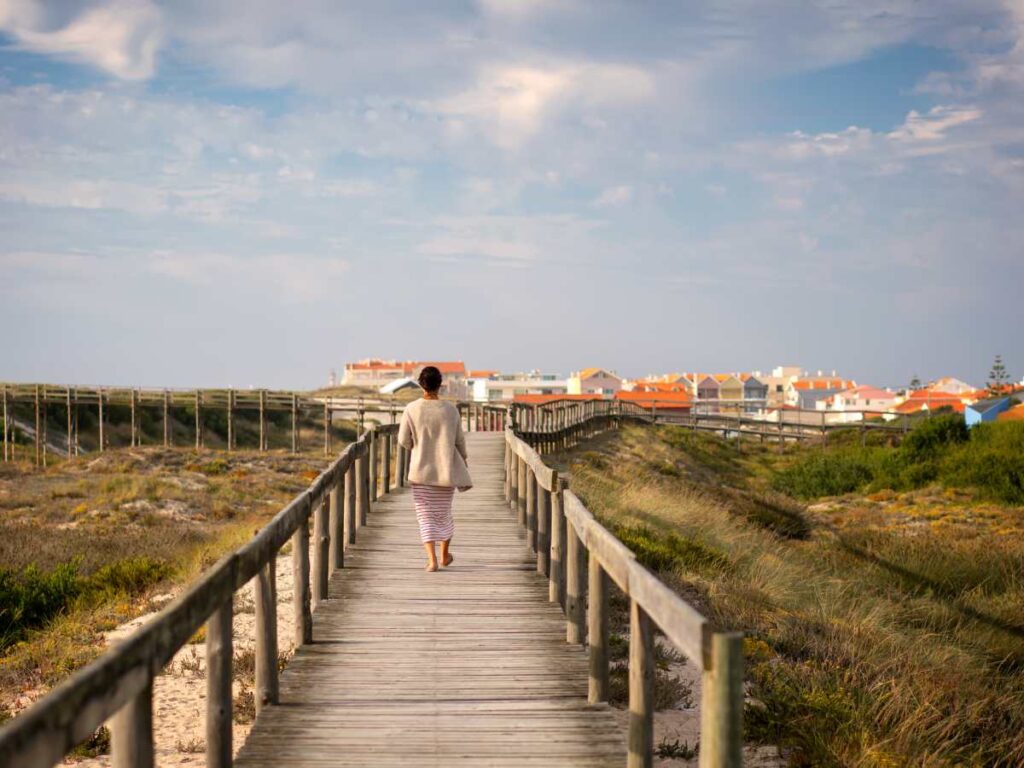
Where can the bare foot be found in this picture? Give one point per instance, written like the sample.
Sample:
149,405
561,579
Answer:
431,567
449,559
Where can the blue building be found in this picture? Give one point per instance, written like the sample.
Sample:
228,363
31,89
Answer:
985,410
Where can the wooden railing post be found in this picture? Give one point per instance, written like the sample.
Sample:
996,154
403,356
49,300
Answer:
641,688
219,651
403,459
543,530
131,732
199,419
531,508
386,481
167,419
321,549
263,419
362,490
513,481
231,419
597,631
267,691
350,504
301,596
721,727
575,587
373,463
508,463
556,581
337,524
295,423
523,490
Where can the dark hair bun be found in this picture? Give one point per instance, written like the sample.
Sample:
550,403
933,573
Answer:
430,378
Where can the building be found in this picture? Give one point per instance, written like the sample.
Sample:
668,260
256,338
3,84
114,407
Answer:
950,385
707,394
755,393
730,392
376,373
593,381
859,403
927,400
986,410
802,389
1014,413
493,386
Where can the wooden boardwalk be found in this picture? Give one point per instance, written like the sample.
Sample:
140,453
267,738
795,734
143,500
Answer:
467,666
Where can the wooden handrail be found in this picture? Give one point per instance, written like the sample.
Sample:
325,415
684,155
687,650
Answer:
119,683
583,555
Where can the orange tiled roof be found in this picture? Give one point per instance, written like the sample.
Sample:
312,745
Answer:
828,382
586,373
375,365
455,366
481,374
540,399
661,400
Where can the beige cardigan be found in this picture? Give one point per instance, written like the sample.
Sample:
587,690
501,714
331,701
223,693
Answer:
433,431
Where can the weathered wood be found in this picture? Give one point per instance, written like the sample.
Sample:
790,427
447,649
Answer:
386,474
167,419
543,531
337,524
349,486
721,732
513,482
267,690
199,420
680,621
328,417
322,547
301,596
295,423
556,582
70,427
373,464
131,732
219,653
523,491
7,430
531,508
39,429
231,420
641,688
575,587
362,489
134,422
597,631
263,420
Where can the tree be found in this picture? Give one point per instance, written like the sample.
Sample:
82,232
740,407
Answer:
915,383
998,378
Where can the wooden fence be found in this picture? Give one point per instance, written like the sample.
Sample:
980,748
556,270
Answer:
578,555
72,401
119,684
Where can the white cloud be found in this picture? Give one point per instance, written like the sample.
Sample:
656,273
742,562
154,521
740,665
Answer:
121,38
614,197
933,126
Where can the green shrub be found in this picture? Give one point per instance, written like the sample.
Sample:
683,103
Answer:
828,473
933,436
32,598
666,552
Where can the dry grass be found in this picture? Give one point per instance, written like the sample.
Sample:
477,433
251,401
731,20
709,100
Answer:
174,509
869,643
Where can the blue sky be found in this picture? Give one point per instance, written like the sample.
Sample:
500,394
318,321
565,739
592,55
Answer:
252,193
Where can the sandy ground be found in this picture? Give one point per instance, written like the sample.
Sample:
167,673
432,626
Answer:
179,694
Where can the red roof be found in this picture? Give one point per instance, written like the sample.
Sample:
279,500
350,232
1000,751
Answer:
916,406
541,399
482,374
1014,414
679,401
829,382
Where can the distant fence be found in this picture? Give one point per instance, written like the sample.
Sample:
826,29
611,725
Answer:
579,556
261,402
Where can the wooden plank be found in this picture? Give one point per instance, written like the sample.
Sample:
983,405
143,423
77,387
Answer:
219,654
641,688
680,621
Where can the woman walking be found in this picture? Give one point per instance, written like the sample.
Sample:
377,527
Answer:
432,431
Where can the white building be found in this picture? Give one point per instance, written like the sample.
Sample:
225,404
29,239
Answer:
493,386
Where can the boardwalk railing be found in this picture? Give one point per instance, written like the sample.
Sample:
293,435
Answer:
579,556
119,684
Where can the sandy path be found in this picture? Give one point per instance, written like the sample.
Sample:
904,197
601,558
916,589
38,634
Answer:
179,694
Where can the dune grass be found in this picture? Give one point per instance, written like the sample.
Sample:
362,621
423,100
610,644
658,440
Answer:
867,644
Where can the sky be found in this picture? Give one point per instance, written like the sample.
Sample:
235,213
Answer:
249,193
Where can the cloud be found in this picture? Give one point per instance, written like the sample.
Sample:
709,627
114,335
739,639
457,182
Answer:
933,126
614,197
121,38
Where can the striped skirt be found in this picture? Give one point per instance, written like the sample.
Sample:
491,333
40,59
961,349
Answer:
434,512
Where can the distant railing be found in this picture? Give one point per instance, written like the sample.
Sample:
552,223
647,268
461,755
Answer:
119,684
72,400
579,556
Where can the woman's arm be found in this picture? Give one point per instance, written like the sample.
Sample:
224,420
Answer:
406,435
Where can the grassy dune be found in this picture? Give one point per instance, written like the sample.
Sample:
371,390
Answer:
883,630
91,542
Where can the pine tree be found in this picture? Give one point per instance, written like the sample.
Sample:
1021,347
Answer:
915,383
998,378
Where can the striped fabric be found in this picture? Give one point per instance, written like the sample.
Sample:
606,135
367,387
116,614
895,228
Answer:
434,511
